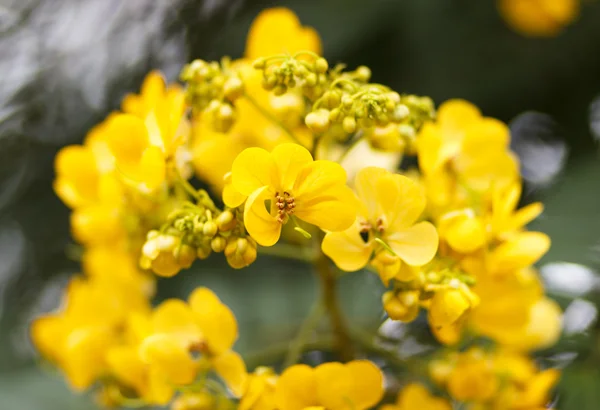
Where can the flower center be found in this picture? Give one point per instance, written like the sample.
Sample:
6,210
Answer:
285,204
366,227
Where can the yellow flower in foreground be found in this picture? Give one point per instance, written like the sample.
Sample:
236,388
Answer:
356,385
287,183
390,205
203,326
277,31
539,18
415,396
259,393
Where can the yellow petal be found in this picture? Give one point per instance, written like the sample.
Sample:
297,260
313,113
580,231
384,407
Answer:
416,396
231,197
277,30
127,139
464,233
537,391
416,245
366,186
126,364
167,355
252,169
85,349
173,316
526,214
316,178
152,168
457,114
401,200
347,249
334,210
448,335
260,224
77,175
368,384
297,388
290,159
216,321
231,368
48,334
334,384
519,252
447,306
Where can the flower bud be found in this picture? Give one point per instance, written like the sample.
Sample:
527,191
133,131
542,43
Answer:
363,73
402,306
218,244
226,221
318,121
210,229
349,125
260,63
321,65
280,89
240,252
311,80
233,88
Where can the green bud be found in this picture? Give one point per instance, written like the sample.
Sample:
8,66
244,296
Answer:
269,82
363,73
233,88
280,89
318,121
311,80
335,115
260,63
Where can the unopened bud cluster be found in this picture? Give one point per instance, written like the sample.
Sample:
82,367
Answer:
446,293
194,232
281,73
213,88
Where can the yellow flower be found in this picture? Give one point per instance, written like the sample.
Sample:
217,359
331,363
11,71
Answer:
505,218
539,18
415,396
355,385
278,30
147,137
295,186
259,393
473,378
402,306
203,326
462,230
390,205
451,304
78,337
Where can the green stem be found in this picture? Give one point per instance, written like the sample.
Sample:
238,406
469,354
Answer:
189,188
342,340
275,353
272,118
308,326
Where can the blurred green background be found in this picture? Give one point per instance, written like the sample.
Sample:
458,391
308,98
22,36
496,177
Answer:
65,64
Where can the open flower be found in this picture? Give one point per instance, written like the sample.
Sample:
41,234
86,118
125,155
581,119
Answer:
416,396
390,207
356,385
287,183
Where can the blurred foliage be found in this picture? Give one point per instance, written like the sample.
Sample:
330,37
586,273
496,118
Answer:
441,48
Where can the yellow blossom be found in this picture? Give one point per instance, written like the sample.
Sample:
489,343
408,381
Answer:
402,306
259,393
204,325
416,396
355,385
147,137
473,378
390,205
539,18
291,36
78,336
450,304
295,187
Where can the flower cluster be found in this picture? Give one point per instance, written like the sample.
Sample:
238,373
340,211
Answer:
283,140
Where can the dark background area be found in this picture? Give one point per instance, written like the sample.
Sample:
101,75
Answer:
65,64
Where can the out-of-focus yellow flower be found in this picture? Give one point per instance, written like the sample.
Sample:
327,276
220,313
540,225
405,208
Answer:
497,379
463,153
278,30
334,386
462,230
390,205
505,219
203,326
416,396
147,136
451,304
259,393
539,18
90,322
295,186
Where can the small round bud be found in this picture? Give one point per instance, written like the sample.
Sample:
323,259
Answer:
269,82
290,82
347,101
185,255
349,125
218,244
363,73
280,89
311,80
401,112
318,121
335,115
260,63
199,227
203,252
395,307
226,220
332,98
210,229
321,65
233,88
